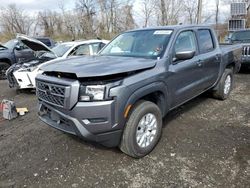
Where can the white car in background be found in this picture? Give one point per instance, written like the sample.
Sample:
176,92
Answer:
22,75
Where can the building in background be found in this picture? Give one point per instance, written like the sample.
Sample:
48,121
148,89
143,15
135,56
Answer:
239,15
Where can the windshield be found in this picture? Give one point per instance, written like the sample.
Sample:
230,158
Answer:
143,43
11,43
241,36
61,49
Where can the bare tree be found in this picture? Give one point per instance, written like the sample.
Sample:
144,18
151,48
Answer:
86,12
125,20
217,14
169,11
148,8
50,22
191,9
14,20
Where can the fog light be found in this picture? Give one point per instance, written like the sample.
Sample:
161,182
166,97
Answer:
84,98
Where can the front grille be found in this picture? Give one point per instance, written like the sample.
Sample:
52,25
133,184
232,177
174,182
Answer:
246,51
51,93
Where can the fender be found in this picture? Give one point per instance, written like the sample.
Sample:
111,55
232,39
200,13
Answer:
222,69
148,89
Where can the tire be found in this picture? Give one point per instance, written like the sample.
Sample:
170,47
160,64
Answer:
225,85
134,134
3,68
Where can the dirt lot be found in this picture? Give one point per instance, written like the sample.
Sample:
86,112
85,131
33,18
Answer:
205,143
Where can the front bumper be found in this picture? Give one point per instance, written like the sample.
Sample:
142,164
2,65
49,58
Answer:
245,60
93,121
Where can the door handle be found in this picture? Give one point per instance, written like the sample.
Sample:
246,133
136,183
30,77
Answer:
199,63
217,57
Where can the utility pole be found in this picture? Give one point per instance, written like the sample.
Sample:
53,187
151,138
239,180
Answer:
199,11
172,12
217,15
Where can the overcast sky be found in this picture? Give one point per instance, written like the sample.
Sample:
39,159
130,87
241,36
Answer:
33,6
37,5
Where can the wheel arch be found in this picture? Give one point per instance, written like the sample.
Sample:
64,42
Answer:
154,92
5,60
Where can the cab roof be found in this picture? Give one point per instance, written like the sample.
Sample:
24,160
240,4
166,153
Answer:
173,27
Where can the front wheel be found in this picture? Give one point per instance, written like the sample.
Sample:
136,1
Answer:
143,130
3,68
225,85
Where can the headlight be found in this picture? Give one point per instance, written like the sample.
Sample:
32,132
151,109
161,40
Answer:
92,93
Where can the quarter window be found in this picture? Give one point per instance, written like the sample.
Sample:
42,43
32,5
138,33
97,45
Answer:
205,40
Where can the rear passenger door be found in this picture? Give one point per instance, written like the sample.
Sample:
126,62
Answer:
210,57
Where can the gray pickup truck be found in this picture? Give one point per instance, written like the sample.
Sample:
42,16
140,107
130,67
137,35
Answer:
119,97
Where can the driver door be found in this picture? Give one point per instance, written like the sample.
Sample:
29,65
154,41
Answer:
23,53
185,74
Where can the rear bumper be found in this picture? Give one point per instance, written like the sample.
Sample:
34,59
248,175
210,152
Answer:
95,122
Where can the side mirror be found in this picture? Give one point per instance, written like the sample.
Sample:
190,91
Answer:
184,55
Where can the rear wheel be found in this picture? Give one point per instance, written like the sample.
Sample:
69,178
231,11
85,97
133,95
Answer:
3,68
225,85
143,129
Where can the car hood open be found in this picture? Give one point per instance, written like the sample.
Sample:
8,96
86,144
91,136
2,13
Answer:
34,44
2,46
97,66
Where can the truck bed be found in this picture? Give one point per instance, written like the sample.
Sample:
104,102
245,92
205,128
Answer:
231,53
227,47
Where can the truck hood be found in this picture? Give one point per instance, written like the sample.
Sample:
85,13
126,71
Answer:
96,66
34,44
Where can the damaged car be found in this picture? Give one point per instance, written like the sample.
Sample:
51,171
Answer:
12,52
22,75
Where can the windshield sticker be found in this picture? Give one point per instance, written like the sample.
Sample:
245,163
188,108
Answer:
163,32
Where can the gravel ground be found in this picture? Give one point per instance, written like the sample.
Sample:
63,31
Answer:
205,143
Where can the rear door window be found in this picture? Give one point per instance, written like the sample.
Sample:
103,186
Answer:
205,40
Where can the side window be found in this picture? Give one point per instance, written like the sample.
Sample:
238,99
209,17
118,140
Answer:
22,46
81,50
95,48
205,40
185,42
